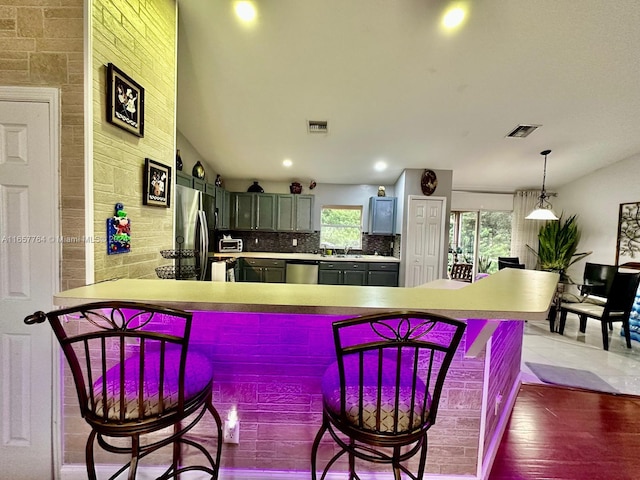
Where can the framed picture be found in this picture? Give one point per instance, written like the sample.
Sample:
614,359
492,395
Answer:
628,246
157,184
125,101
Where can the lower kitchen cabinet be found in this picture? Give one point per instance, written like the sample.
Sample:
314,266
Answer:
262,270
342,273
383,274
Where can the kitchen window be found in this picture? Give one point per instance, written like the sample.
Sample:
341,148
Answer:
341,226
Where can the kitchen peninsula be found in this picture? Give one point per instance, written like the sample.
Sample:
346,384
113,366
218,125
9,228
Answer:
270,344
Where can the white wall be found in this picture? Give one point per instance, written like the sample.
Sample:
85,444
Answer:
471,201
596,198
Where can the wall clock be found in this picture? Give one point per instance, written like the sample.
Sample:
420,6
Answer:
428,182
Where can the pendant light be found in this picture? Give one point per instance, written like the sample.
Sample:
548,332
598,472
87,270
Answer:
543,209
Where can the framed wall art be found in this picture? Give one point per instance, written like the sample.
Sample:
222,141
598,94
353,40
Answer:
628,246
157,184
125,101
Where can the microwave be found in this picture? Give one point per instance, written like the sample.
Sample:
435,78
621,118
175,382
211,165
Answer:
230,245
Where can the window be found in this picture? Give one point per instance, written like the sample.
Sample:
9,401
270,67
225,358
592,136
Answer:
492,239
341,226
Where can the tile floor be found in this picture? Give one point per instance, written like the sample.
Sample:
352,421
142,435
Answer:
620,366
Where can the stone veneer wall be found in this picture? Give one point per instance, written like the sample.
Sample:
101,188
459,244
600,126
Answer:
41,45
140,39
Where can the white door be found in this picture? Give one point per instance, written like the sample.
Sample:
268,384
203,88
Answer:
28,277
425,240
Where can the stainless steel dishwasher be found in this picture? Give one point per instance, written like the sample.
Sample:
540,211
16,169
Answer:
302,271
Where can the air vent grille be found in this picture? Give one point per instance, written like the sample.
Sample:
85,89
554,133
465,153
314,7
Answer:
522,131
318,126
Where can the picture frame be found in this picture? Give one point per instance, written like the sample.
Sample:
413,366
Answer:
157,184
125,101
628,244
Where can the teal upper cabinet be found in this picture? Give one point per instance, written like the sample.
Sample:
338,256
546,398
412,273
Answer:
382,215
254,211
294,213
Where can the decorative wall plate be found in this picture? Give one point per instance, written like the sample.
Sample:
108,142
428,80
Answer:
428,182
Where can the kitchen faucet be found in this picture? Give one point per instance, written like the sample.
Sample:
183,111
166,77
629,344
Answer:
346,250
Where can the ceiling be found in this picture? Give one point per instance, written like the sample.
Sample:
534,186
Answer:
395,86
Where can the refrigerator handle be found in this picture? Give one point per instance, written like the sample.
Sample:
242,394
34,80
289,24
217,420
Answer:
204,243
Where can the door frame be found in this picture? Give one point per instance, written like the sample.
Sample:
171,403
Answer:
50,96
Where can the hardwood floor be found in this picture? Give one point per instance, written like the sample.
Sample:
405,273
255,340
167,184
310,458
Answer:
562,433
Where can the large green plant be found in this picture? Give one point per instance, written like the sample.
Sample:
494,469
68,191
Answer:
557,245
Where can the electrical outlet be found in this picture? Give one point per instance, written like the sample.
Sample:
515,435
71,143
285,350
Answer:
231,432
497,404
295,242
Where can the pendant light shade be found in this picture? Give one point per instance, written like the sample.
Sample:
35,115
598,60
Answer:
543,208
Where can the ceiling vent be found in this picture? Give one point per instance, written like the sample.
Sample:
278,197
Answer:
318,126
522,131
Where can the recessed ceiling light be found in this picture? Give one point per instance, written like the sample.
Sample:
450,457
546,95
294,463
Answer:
380,166
454,17
287,163
245,11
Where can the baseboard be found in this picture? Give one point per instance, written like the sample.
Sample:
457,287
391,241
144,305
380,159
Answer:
79,472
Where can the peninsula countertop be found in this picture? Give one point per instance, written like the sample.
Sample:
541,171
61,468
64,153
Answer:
507,294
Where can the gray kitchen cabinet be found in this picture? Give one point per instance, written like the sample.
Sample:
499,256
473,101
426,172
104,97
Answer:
294,213
342,273
263,270
198,184
254,211
383,274
382,215
223,208
184,179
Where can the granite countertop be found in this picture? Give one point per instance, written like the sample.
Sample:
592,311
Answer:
307,256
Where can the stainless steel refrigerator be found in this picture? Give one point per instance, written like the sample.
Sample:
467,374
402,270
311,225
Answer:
192,228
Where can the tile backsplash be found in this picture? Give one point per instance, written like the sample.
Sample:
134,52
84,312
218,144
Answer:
282,242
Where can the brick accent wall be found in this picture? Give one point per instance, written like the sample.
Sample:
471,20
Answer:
140,39
41,44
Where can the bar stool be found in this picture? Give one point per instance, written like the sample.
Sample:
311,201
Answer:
383,391
135,376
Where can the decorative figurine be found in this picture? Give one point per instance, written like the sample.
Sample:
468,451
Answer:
255,188
218,181
118,232
381,191
178,160
198,171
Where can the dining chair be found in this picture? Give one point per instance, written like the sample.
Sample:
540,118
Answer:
136,378
617,307
504,261
596,282
462,272
381,395
508,264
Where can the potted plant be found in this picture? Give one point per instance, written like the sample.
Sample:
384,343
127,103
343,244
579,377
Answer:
557,245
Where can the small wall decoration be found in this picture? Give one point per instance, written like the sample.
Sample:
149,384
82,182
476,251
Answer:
428,182
118,232
157,184
628,247
125,101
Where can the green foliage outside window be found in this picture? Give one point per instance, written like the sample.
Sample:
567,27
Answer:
341,227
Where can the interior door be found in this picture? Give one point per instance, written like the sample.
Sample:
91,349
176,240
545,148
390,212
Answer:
29,256
425,240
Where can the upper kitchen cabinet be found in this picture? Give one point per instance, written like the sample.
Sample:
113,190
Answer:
294,213
382,215
254,211
223,207
184,179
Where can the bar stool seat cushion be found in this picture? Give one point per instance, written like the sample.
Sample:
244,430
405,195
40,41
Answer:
198,375
409,418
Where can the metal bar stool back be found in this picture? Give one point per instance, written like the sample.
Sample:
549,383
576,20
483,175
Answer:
136,376
381,396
